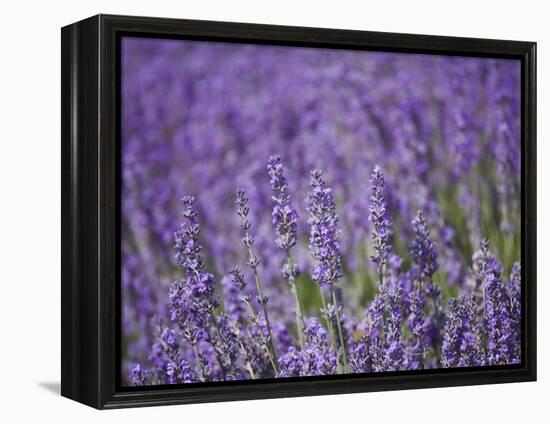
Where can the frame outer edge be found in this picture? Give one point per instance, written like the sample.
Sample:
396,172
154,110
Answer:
89,195
531,206
80,314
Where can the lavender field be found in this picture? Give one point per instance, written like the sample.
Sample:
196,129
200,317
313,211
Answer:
296,212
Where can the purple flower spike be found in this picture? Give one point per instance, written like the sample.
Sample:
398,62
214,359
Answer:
137,375
325,247
417,349
498,324
226,345
380,219
319,358
187,374
168,338
461,346
324,244
423,250
291,363
499,332
316,357
193,299
284,216
199,283
284,219
514,294
253,262
393,360
374,326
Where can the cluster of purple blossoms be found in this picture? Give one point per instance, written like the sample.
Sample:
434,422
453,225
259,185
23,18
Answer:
380,219
461,345
393,346
284,216
226,333
367,353
325,248
324,243
315,358
423,251
137,375
514,294
500,328
417,349
424,256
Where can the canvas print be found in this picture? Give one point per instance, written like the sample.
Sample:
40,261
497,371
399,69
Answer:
296,212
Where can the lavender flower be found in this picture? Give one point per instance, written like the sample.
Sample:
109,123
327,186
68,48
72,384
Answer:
325,248
169,342
179,373
176,366
192,300
284,218
226,345
461,347
380,219
266,338
315,358
253,262
359,357
291,363
283,338
435,320
500,347
198,283
514,294
394,354
498,323
416,352
232,302
368,353
324,244
138,375
318,357
423,250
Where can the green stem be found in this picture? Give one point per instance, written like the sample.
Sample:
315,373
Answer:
267,346
199,362
294,290
329,324
484,335
272,360
381,275
340,332
261,295
250,370
220,362
210,338
418,285
247,362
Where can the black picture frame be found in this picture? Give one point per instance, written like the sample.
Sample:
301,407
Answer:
90,222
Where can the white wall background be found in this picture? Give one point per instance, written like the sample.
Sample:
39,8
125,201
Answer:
30,212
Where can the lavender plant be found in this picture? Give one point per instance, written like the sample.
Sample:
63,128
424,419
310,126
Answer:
284,218
378,263
461,347
325,248
381,222
253,262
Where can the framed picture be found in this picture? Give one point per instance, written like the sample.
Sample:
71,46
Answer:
254,211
